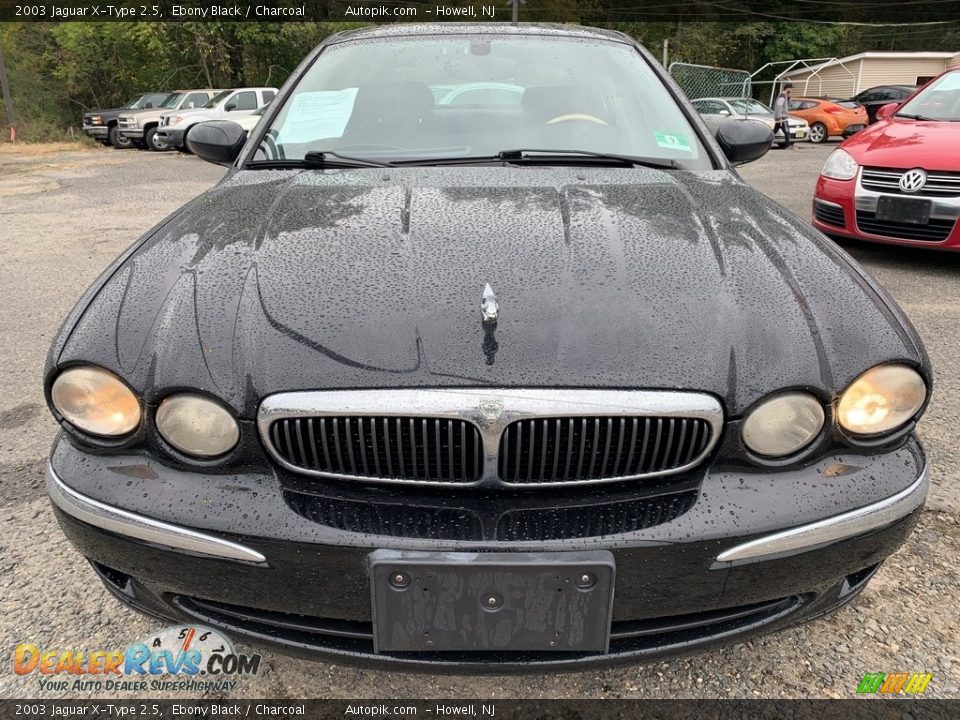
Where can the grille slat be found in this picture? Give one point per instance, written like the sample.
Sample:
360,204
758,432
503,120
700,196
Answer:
934,231
829,214
887,180
419,449
598,448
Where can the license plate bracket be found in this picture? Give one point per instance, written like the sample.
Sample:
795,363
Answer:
442,602
915,211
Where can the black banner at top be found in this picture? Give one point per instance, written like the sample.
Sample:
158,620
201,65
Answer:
859,12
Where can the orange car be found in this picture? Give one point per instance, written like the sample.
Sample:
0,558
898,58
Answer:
829,117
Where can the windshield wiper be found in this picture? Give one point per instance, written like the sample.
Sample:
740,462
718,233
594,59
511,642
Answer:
916,117
537,154
540,156
320,159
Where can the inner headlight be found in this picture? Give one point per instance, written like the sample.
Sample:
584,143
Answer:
783,424
176,119
883,399
840,165
96,120
96,401
197,425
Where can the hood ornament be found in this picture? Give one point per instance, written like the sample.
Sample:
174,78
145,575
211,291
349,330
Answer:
488,305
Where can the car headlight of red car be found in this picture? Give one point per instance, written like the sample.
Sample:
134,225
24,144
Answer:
840,165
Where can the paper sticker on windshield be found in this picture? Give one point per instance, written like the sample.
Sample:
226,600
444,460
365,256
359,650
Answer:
672,141
317,115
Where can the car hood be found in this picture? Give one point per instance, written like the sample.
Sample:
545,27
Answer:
286,280
904,143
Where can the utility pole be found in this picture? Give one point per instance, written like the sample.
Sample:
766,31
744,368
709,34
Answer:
516,10
666,46
7,100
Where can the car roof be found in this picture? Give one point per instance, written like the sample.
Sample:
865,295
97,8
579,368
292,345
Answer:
425,29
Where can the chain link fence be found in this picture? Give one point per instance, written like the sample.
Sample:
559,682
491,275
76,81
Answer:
699,81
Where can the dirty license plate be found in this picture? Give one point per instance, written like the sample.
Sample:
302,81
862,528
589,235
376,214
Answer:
441,602
904,210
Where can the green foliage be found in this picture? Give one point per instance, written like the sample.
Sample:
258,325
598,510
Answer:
58,70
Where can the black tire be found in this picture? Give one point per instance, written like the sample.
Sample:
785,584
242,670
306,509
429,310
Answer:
117,140
818,133
155,143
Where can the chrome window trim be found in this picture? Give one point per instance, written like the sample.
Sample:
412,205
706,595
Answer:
491,410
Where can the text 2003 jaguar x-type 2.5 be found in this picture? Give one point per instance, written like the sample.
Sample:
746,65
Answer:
482,356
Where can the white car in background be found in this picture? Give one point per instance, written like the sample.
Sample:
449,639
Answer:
717,110
227,105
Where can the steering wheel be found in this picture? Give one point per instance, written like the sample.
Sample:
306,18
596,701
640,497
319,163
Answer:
576,116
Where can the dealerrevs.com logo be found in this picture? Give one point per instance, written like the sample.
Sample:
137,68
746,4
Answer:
201,659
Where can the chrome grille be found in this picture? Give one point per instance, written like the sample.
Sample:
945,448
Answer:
887,180
384,448
560,450
489,436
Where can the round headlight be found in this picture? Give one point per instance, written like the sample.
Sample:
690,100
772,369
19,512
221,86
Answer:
783,424
883,399
840,165
197,425
96,401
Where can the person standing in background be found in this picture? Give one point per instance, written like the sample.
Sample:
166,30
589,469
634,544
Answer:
781,114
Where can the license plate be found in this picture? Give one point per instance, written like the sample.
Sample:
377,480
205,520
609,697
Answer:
441,602
801,133
905,210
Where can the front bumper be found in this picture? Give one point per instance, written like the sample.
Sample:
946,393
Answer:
132,133
753,551
98,132
171,136
842,199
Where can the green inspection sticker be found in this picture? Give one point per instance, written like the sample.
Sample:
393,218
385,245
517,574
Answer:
672,141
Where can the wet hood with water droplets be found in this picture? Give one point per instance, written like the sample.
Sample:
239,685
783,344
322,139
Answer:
622,278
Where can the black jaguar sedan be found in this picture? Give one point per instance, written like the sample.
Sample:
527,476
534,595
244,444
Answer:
482,356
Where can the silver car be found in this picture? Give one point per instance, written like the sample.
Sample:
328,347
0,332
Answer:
717,110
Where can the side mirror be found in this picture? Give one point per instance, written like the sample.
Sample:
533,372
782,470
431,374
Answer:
190,105
231,106
885,111
744,141
148,105
217,141
724,112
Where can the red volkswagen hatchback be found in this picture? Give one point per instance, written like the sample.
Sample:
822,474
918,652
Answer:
898,181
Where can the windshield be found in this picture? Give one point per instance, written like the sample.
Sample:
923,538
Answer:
171,102
747,107
475,96
135,102
215,100
940,100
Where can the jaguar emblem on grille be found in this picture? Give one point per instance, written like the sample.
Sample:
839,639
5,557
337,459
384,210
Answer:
490,411
913,180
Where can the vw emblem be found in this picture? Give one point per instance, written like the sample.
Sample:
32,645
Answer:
913,180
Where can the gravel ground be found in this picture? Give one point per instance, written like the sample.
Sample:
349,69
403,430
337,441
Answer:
66,214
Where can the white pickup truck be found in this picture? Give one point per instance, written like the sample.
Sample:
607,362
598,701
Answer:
225,105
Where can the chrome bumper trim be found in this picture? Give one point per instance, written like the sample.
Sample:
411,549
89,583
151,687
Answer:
838,527
122,522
